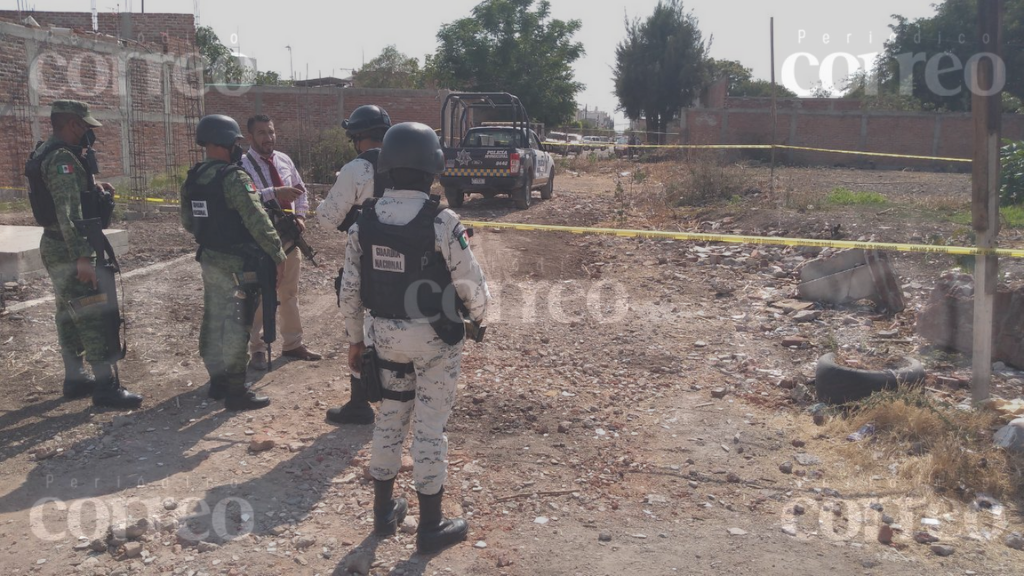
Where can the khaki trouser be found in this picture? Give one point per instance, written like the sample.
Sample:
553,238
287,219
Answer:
288,323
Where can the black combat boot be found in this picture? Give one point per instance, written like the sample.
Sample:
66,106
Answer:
218,389
239,397
437,532
77,382
356,411
388,512
109,393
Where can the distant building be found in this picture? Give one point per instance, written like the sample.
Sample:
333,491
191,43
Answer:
599,117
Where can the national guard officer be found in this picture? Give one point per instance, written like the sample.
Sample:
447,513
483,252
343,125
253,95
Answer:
357,182
409,262
60,181
221,207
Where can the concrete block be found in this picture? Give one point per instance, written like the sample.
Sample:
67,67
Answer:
840,288
850,276
19,251
839,262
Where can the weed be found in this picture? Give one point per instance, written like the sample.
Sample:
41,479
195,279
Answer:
846,197
19,205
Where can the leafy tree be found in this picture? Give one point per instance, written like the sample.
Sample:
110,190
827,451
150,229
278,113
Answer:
941,34
219,65
269,78
660,67
390,69
510,46
742,82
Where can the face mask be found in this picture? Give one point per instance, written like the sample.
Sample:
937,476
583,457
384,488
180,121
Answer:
236,154
88,138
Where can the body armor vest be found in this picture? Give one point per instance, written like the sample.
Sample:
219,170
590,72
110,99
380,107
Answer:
218,227
96,203
402,276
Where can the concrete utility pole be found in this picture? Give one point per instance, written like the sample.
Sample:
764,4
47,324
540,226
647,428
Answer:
987,74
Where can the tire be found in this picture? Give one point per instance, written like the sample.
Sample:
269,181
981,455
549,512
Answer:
549,190
455,197
835,384
523,195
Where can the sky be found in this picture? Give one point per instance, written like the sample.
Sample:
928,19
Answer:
332,38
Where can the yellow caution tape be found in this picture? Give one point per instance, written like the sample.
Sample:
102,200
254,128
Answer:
762,240
765,147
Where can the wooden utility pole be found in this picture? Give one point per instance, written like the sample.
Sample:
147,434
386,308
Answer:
987,73
775,116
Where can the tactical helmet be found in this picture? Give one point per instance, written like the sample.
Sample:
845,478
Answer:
365,118
411,145
217,129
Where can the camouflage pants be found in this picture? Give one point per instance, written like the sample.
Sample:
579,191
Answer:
76,332
437,372
227,318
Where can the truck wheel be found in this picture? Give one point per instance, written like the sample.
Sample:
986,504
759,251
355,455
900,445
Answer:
455,197
549,190
523,195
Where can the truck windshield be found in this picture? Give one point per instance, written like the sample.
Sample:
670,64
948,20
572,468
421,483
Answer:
493,139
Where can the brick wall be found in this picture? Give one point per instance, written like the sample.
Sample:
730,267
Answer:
839,124
144,27
40,66
301,115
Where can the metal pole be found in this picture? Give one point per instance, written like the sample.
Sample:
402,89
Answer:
775,117
291,65
987,111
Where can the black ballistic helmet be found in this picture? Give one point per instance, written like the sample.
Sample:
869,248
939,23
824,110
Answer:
217,129
411,145
364,119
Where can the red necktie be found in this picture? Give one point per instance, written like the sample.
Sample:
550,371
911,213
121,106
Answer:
275,179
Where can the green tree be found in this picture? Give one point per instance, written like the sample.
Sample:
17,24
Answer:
269,78
660,67
742,82
510,46
390,69
950,33
219,65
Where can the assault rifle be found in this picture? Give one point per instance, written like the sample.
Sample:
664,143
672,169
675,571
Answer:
259,263
106,298
288,229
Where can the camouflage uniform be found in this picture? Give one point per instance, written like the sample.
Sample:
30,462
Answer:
223,340
66,178
437,365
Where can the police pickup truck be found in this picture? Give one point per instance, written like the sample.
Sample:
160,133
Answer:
490,148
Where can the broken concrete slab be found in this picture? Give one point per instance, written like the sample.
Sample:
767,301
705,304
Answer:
947,319
852,275
19,251
1011,436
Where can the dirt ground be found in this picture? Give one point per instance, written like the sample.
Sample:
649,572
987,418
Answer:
589,437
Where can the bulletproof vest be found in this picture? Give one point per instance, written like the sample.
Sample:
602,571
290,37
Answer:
381,182
402,275
217,226
96,203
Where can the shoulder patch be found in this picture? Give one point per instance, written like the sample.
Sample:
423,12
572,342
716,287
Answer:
249,186
65,168
461,236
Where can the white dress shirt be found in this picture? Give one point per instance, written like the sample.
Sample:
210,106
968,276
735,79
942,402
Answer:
260,173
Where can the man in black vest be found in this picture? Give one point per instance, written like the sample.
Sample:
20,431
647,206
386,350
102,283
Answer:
357,182
408,262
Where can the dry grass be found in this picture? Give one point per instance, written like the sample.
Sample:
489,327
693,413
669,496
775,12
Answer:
933,446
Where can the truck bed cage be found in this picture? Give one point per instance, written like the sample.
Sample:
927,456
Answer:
464,110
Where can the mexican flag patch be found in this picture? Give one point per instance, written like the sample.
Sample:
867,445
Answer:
249,187
463,238
65,169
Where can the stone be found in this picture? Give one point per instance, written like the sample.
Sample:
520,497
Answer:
98,545
797,443
480,545
789,530
786,467
407,463
942,550
138,529
922,537
170,504
799,510
795,342
719,393
788,383
885,534
807,459
261,443
807,315
656,499
1014,540
947,319
409,525
737,532
44,454
358,562
604,537
296,446
206,547
564,427
733,478
1011,436
303,542
133,550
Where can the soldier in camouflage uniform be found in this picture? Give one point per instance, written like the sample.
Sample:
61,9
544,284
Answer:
221,207
400,245
69,260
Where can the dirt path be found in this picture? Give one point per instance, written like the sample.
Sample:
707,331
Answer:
585,440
